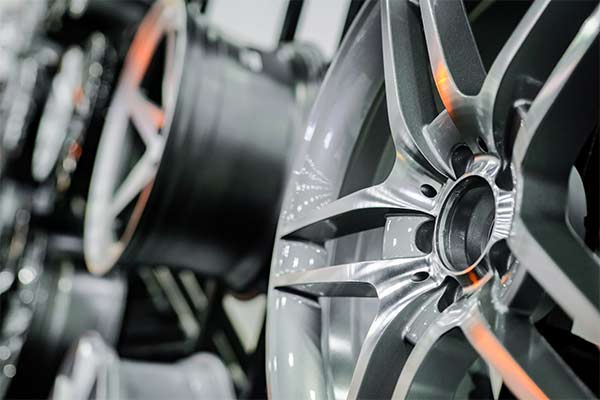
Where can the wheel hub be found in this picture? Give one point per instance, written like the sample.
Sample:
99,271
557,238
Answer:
464,228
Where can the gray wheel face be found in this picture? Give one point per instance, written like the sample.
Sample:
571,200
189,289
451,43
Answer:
103,244
402,264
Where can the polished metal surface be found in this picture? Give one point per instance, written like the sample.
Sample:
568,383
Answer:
107,197
446,239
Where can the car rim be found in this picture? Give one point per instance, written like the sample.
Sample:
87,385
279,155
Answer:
455,237
107,198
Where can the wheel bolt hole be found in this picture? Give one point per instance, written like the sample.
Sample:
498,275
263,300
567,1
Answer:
461,157
428,191
420,276
500,257
482,145
450,294
424,237
504,180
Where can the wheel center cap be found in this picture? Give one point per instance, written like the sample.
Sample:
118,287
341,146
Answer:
465,225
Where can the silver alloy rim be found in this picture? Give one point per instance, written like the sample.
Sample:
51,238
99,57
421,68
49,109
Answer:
412,346
102,246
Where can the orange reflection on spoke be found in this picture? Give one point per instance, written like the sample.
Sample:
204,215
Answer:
442,81
144,44
488,346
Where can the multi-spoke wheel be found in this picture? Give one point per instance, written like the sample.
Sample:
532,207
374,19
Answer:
108,198
432,230
195,182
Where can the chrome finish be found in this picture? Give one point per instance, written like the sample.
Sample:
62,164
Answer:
335,248
107,198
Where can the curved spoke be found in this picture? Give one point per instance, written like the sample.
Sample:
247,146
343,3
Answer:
542,241
362,210
139,177
515,352
526,61
374,375
437,346
566,270
426,313
405,59
366,208
527,363
361,279
455,61
389,280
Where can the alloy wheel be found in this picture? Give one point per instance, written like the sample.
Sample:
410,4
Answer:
429,223
104,242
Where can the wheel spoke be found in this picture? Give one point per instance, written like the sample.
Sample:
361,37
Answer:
366,208
361,279
402,232
529,366
148,118
442,138
409,94
514,351
426,313
566,270
142,174
532,51
439,349
541,240
455,61
143,47
374,375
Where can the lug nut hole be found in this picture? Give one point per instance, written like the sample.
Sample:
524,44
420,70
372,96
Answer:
424,236
500,257
482,145
420,276
461,157
428,191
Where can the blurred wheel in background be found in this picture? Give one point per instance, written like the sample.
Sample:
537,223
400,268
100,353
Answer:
196,143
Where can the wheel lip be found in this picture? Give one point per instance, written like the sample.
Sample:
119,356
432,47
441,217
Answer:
100,262
282,331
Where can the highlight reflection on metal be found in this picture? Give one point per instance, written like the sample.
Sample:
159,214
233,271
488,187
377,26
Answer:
382,52
166,20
